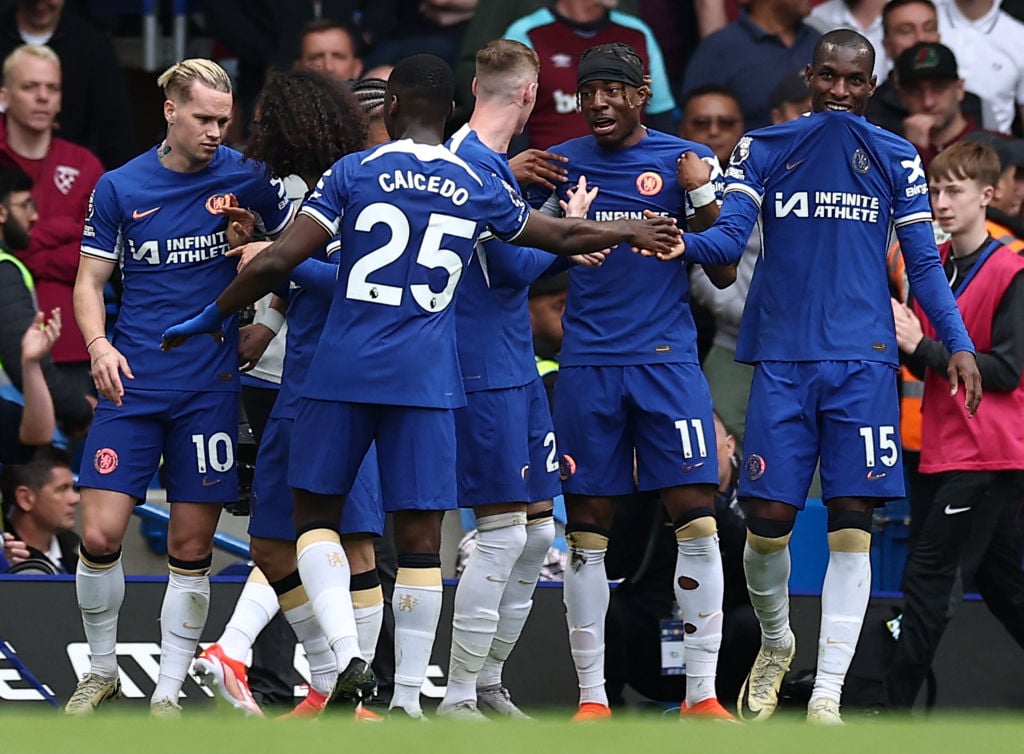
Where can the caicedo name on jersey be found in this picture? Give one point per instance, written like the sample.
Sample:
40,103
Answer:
181,250
410,180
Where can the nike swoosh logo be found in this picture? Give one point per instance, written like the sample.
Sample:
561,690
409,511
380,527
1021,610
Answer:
210,482
136,215
949,510
497,581
830,640
791,165
877,474
707,615
187,627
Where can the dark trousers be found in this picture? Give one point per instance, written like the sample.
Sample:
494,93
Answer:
969,533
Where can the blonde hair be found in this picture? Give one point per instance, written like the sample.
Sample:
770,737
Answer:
177,80
503,65
37,51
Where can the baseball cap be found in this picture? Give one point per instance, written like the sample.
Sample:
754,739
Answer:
791,88
926,60
1010,151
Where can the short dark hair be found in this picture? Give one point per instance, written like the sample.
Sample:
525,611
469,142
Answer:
843,38
35,473
12,180
426,79
896,5
708,89
317,25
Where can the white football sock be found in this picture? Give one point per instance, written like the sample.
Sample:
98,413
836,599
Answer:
500,542
256,606
182,619
768,586
417,607
325,575
700,561
844,599
100,591
586,598
323,666
517,600
369,613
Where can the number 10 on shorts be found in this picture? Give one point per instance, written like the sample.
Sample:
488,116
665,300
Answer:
215,451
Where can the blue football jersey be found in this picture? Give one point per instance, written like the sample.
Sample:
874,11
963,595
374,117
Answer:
632,309
829,189
492,316
408,216
159,226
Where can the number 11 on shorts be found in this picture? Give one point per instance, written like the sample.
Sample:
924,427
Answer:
696,427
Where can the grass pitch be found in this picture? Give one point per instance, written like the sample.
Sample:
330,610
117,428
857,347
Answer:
113,731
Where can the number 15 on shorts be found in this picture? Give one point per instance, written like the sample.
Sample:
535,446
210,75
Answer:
880,444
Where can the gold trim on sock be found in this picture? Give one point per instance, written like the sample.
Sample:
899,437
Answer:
313,536
849,540
587,540
767,545
705,526
292,598
363,598
418,577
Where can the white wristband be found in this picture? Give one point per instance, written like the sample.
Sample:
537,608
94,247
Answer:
270,318
702,195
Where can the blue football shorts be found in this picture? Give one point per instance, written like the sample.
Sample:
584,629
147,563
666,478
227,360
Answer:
196,433
845,413
272,506
662,411
415,451
506,448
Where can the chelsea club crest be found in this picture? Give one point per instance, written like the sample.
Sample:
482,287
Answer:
861,163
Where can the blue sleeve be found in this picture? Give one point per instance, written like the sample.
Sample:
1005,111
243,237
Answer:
267,198
724,242
515,267
928,282
101,231
316,276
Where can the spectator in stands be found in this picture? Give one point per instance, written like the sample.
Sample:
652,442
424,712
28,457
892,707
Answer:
63,175
424,26
559,33
333,47
906,23
748,55
18,308
791,97
96,112
712,116
31,424
931,90
40,502
864,16
987,42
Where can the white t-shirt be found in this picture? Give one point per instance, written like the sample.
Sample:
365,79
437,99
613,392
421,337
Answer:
835,14
990,58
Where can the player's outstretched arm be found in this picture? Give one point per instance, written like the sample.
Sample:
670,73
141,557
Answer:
963,368
569,236
268,270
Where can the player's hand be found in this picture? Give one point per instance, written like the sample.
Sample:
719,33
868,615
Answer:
247,252
539,167
107,365
963,367
40,336
252,343
580,199
593,259
241,225
662,240
15,550
908,327
209,321
691,171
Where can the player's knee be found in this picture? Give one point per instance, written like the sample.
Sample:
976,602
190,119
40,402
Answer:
695,523
767,535
849,531
100,544
359,551
586,537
